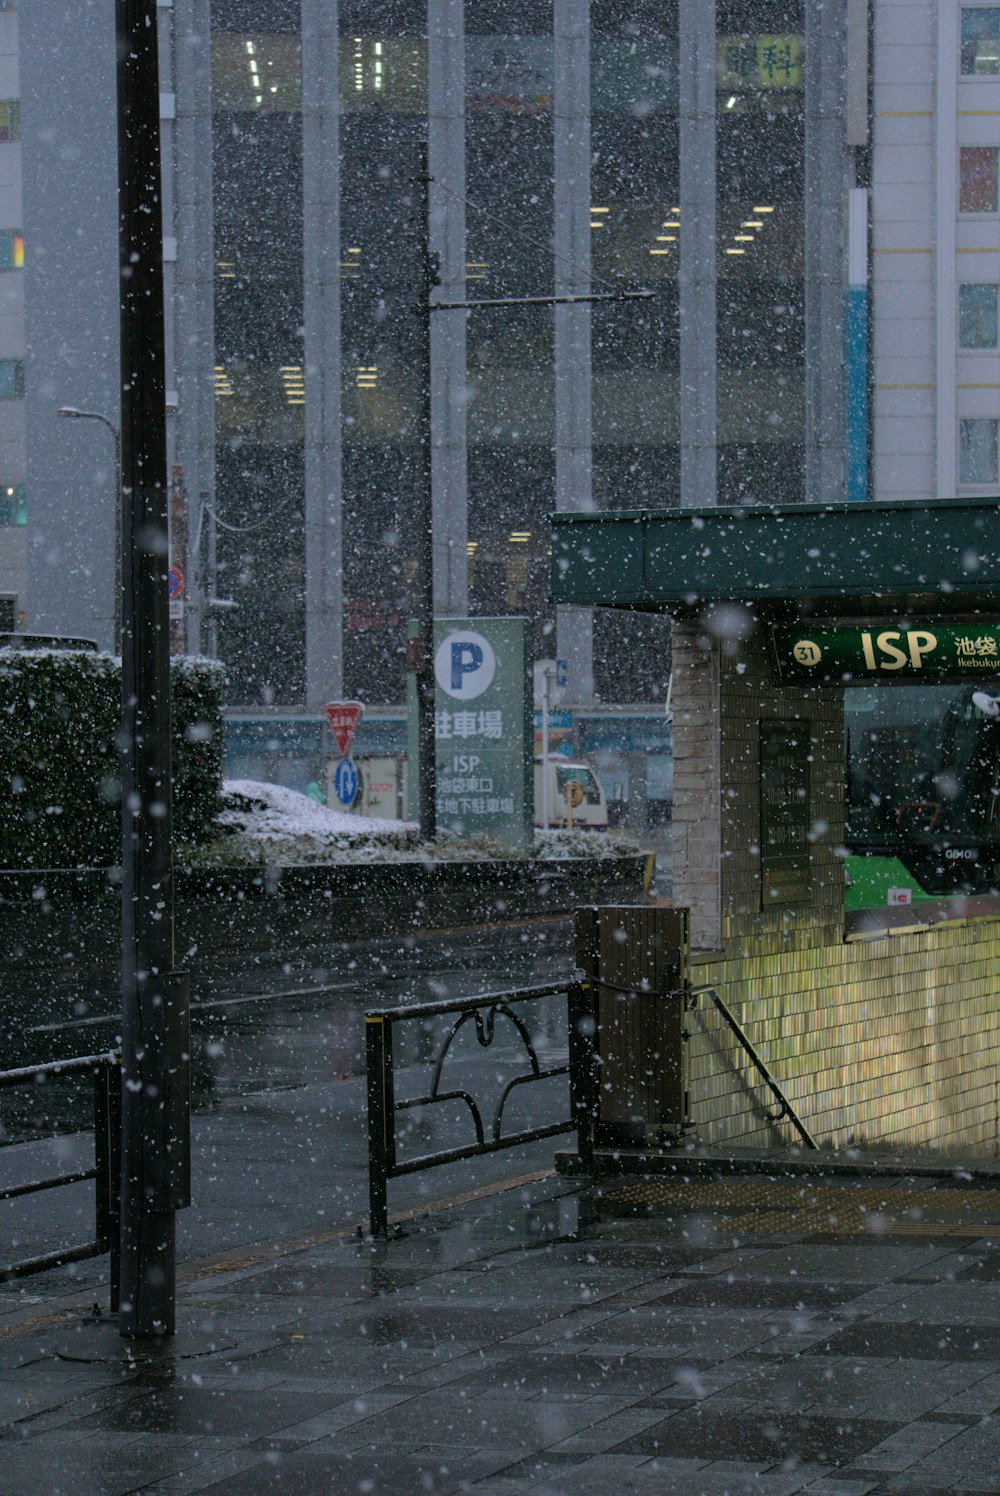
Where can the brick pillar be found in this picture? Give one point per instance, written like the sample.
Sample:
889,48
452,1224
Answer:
722,691
696,833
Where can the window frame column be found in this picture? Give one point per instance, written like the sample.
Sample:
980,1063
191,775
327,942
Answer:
698,270
448,331
571,277
323,530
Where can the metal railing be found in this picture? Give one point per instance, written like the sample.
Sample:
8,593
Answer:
786,1112
482,1012
106,1171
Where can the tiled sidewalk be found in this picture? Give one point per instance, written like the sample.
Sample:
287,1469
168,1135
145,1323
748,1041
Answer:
743,1335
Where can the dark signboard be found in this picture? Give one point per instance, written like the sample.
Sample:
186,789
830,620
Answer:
916,654
785,812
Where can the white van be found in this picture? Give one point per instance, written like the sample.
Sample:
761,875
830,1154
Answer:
576,797
381,788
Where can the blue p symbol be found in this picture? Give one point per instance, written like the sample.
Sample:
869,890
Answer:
465,658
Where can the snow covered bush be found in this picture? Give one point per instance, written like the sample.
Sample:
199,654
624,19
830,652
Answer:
268,825
60,773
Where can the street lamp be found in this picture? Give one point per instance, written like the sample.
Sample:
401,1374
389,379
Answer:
74,414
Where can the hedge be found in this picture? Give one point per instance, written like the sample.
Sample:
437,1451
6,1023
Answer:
60,771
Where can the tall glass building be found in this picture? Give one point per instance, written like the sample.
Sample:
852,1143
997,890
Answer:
701,151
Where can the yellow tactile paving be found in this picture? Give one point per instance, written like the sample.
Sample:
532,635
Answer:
766,1207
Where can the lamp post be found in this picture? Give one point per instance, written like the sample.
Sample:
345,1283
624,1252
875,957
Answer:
155,998
74,414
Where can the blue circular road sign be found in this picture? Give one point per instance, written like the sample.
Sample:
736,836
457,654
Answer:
345,781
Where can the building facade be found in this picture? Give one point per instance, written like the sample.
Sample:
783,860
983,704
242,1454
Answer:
13,507
935,248
724,156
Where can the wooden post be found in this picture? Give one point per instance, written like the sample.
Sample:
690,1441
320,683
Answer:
637,958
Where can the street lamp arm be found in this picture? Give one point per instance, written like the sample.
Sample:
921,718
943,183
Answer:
73,413
88,415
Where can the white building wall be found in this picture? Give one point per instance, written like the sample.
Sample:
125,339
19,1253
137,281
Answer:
903,258
924,249
976,260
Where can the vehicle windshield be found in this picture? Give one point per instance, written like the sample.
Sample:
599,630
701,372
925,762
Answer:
575,774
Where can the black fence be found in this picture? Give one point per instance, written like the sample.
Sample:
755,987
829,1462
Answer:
106,1171
483,1013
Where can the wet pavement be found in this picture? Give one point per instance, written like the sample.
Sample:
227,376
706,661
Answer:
700,1335
279,1135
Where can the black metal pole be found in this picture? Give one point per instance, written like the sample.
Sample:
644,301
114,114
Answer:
422,646
154,1000
381,1116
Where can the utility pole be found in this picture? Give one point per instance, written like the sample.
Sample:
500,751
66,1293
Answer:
420,645
155,1059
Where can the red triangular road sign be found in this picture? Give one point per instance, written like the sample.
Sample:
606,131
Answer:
343,717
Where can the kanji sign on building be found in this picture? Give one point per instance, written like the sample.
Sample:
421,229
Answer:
343,717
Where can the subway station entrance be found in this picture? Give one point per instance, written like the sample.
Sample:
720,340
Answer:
879,1027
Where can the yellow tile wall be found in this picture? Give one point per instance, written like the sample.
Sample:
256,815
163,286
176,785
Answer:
884,1043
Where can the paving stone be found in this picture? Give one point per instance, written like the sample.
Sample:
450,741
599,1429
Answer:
851,1263
702,1432
590,1373
909,1444
855,1386
330,1468
981,1396
914,1340
632,1359
207,1412
968,1462
609,1432
547,1475
968,1303
842,1486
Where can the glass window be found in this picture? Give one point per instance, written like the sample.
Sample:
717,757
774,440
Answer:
259,72
11,379
567,774
10,120
977,192
977,316
977,460
11,250
760,191
13,508
981,40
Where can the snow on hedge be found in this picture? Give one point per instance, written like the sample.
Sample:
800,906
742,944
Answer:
266,823
287,826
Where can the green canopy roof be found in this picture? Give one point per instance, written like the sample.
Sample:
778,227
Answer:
939,555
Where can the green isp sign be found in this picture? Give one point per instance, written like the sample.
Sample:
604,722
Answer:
900,654
483,728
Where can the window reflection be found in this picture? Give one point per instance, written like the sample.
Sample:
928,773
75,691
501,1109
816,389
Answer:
981,40
977,189
977,316
760,162
977,451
